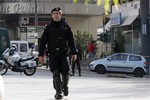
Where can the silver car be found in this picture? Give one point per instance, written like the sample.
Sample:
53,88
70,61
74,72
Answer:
122,63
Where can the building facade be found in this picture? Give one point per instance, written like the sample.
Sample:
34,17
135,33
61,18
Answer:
126,20
18,16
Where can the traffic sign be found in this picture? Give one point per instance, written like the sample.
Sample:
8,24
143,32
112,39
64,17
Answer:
23,29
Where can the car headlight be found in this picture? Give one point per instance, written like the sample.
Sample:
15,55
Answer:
92,62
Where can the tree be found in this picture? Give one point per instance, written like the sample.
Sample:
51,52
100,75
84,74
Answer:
82,39
119,43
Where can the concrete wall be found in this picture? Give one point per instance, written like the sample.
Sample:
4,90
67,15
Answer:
45,8
88,24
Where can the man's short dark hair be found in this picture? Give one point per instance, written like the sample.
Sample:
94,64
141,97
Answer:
25,19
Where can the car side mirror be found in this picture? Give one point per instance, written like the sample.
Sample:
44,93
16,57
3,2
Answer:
109,59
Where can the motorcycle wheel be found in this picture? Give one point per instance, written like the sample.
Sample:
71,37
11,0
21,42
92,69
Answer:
30,71
3,69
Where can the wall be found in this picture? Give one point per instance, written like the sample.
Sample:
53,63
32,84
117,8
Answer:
88,24
45,8
82,23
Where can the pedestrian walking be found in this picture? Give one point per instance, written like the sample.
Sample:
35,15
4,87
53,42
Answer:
58,37
77,62
91,49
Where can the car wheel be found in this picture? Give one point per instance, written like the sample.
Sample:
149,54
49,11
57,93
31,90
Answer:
100,69
138,72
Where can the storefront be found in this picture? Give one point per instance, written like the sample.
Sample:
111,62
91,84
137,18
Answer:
18,16
126,20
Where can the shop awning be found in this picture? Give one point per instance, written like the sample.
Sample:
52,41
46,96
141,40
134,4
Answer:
129,20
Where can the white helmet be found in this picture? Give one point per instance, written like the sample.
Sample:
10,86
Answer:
13,47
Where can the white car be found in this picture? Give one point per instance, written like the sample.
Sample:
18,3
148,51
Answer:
122,63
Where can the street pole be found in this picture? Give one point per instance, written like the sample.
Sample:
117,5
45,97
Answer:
111,30
36,26
145,35
36,17
132,38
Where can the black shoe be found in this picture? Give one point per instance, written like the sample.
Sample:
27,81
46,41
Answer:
66,92
71,74
79,74
58,96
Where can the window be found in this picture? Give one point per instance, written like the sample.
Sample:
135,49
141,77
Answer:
134,58
23,47
119,57
4,42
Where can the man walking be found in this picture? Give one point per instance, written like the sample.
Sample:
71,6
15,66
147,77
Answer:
77,62
58,37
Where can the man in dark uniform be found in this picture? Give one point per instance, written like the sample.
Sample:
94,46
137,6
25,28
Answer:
58,36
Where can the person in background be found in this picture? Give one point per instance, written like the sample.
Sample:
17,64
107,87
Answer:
77,62
91,49
58,36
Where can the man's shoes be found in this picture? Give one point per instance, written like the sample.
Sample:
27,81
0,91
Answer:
65,90
79,74
73,74
58,96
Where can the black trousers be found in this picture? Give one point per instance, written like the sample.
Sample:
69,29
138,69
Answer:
77,62
59,64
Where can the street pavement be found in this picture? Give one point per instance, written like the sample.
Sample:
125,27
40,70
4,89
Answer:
90,86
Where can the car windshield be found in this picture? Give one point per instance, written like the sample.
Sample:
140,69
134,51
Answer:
7,50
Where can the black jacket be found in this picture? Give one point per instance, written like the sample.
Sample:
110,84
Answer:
57,36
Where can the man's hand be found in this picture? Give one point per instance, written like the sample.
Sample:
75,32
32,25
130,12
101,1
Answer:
73,57
41,59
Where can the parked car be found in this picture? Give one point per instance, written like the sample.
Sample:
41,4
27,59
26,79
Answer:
121,63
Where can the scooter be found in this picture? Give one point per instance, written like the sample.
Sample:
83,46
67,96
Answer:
14,62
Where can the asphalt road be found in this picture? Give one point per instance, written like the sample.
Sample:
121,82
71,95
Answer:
90,86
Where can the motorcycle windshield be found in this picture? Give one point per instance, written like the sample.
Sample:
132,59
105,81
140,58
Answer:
6,51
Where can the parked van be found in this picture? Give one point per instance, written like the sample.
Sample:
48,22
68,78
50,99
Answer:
23,48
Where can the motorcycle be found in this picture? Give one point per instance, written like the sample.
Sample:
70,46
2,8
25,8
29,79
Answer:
14,62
